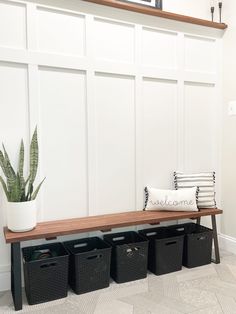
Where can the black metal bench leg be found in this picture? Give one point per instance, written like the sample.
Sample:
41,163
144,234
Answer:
215,240
16,284
199,220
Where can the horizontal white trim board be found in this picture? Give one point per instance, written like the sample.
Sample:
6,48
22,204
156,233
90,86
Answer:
227,243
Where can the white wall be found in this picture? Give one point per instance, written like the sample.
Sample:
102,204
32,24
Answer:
229,125
201,9
121,101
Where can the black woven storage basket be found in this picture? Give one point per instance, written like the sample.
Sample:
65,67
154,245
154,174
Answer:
129,256
165,250
197,244
46,279
89,268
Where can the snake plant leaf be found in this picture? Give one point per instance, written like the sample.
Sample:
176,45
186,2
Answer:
33,157
27,195
15,194
4,187
27,180
37,190
8,163
15,186
7,170
23,196
3,164
11,176
22,187
21,165
30,191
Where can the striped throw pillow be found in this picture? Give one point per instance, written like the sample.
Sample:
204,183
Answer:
206,183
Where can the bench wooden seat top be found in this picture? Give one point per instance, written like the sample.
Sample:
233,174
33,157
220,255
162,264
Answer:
52,229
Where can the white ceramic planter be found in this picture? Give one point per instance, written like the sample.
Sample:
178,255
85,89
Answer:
22,216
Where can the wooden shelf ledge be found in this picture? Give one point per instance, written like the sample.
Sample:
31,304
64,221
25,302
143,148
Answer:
159,13
52,229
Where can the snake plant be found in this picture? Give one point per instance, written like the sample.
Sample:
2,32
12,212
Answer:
15,186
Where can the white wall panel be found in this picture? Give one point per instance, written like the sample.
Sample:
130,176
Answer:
61,32
13,124
113,40
160,132
115,144
200,116
12,24
159,48
200,54
64,153
14,104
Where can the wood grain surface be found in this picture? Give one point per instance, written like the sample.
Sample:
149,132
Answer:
51,229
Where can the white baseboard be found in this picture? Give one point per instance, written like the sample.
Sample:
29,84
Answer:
5,278
227,243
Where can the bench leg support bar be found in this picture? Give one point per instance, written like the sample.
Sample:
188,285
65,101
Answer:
199,220
16,287
215,240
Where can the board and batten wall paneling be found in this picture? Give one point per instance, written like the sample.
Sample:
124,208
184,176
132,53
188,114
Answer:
12,25
199,127
115,144
14,104
52,37
64,149
113,41
200,54
119,105
159,48
159,118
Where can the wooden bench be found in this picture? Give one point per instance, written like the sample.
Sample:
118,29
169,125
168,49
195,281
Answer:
52,229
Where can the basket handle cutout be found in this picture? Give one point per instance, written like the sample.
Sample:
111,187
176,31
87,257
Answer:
94,256
80,245
48,265
118,238
180,229
151,233
43,251
171,243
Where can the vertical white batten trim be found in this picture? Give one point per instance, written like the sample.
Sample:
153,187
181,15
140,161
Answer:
34,120
31,26
139,139
180,103
33,92
91,116
218,126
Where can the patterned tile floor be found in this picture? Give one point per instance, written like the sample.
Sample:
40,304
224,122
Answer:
209,289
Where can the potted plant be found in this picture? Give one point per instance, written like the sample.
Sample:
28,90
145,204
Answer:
21,205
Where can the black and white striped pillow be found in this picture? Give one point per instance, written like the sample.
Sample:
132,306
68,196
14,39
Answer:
206,183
